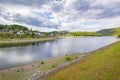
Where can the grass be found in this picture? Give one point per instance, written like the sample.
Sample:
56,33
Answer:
103,65
53,63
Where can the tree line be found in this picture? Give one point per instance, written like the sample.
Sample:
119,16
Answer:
18,31
84,34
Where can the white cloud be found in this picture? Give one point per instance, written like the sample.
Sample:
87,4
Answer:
49,15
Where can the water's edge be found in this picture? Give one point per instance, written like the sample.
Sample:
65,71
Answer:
45,75
42,75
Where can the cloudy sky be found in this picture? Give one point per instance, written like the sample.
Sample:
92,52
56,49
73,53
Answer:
71,15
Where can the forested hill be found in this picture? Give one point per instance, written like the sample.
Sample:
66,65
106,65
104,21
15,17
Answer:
84,34
14,27
107,32
110,32
18,31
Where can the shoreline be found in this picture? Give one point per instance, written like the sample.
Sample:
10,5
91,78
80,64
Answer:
32,68
37,73
47,74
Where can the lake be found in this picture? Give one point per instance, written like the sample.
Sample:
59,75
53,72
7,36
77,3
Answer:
15,56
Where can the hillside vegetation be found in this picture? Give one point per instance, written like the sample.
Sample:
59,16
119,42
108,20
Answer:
84,34
19,32
107,32
110,32
102,65
15,31
117,33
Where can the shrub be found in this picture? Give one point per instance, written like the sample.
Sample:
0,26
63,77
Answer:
54,65
118,35
42,62
18,70
68,58
76,56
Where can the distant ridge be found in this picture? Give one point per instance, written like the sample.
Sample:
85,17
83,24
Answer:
107,32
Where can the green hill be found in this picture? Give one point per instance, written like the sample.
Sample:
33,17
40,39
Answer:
84,34
107,32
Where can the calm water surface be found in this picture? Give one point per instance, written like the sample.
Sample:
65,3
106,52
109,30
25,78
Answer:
14,56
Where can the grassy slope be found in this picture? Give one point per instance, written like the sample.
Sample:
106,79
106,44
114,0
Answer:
107,31
103,65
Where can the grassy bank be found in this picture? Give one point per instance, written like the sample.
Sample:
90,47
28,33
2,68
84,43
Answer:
26,71
102,65
16,42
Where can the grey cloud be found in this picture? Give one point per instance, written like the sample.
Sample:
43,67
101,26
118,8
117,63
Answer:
57,8
33,21
109,11
82,5
36,3
109,14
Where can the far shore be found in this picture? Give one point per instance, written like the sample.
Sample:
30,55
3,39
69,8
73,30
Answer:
24,41
9,42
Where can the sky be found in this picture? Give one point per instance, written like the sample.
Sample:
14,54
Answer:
58,15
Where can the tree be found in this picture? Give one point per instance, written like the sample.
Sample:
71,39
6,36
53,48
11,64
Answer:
33,35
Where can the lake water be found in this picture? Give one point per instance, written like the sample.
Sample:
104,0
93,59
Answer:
14,56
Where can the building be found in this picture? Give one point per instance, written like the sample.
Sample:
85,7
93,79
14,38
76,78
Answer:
20,32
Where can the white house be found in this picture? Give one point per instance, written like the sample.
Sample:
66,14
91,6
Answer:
10,31
20,32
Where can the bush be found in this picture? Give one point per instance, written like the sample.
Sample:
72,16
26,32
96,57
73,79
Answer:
76,56
42,62
18,70
118,35
68,58
54,65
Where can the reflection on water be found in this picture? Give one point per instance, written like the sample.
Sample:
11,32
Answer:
13,56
